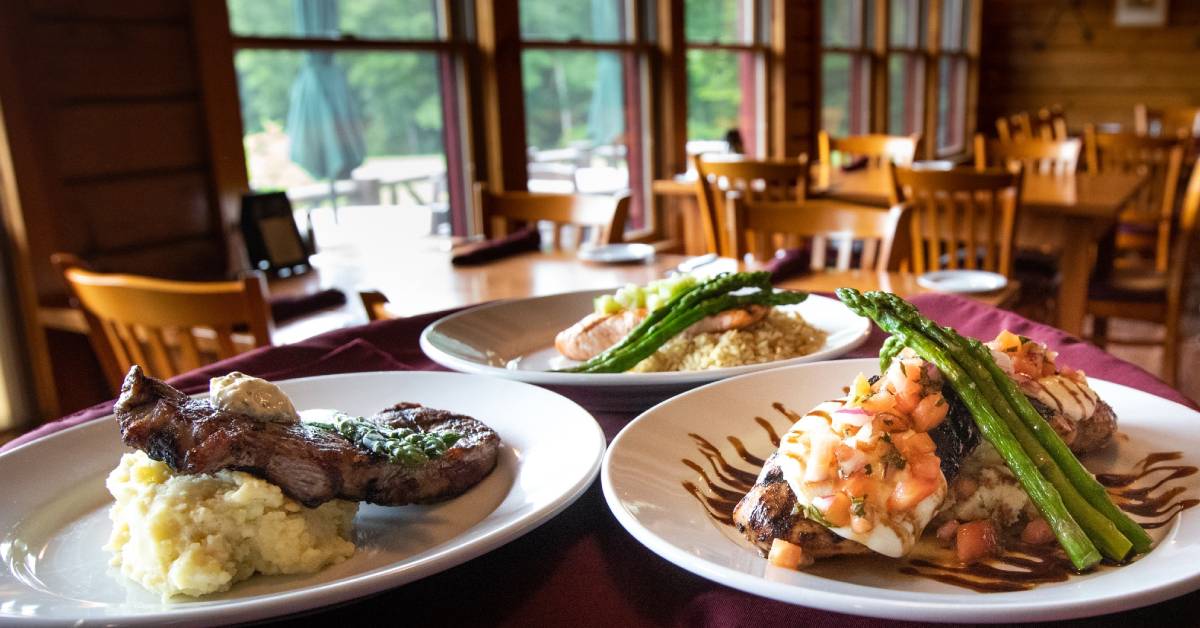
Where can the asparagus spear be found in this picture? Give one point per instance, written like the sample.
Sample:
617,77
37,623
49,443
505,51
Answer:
1080,550
1099,528
680,320
887,353
716,285
1080,477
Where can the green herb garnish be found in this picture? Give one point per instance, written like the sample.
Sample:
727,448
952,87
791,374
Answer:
400,445
858,506
812,513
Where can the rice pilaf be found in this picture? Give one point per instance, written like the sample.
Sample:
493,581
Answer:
783,334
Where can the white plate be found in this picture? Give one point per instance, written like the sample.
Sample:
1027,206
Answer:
55,514
617,253
962,281
643,475
515,340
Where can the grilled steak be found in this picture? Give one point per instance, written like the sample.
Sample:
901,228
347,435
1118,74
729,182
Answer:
310,465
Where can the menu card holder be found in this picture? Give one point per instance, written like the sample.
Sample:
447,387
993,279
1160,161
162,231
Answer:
273,242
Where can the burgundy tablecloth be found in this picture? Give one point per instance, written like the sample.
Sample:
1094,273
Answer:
582,568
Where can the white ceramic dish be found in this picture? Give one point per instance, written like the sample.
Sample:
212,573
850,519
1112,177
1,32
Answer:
643,478
617,253
515,340
962,281
55,514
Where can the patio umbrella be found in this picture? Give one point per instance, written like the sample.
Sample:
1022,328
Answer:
324,123
606,114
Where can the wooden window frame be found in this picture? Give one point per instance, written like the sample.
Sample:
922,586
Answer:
451,49
760,48
876,47
636,52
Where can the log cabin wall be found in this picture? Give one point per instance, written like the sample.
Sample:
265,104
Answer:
117,107
1031,60
107,137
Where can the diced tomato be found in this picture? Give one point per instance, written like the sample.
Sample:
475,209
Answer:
914,444
787,555
881,401
838,511
909,492
929,412
858,484
1037,532
976,540
926,466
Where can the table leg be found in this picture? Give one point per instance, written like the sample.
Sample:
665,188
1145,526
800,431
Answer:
1075,266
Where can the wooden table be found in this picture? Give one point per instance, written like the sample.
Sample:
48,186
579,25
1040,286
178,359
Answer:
417,277
1071,214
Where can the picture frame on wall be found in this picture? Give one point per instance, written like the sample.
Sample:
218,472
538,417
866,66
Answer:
1141,13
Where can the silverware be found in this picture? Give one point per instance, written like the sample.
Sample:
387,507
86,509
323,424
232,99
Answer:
692,263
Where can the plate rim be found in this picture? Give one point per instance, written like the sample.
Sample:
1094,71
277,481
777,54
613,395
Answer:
638,380
359,585
924,280
1013,608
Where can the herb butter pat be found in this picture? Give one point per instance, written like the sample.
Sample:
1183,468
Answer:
252,396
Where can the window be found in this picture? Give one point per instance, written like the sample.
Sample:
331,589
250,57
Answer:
954,62
906,67
845,66
582,73
726,51
325,117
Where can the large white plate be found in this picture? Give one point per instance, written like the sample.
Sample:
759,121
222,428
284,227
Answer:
55,514
643,475
515,340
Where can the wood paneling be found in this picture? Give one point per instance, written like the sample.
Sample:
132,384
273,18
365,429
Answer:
794,82
1030,61
114,61
113,139
107,120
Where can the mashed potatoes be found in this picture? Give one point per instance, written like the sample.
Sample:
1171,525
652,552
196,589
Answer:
199,534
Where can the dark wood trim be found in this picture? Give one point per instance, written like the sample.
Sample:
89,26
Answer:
587,45
502,95
223,122
671,90
27,203
760,48
240,42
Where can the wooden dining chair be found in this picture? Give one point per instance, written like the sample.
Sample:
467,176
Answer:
571,215
1018,126
1158,297
168,327
962,218
879,231
1035,155
1145,225
1176,121
375,303
877,150
752,180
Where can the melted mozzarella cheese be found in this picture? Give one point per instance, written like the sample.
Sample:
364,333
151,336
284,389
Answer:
807,461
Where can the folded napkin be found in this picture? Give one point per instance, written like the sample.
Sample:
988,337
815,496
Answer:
857,163
521,241
285,307
789,263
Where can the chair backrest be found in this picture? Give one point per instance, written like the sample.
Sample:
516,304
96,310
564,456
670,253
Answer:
1178,121
752,180
1185,258
1035,155
962,218
603,216
878,150
752,223
167,327
1161,160
1018,126
375,303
